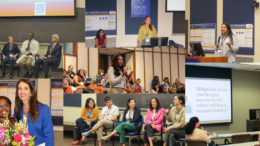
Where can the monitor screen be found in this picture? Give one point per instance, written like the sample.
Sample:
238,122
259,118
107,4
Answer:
14,8
175,5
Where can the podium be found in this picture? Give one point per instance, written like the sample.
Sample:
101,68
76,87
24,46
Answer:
199,59
253,125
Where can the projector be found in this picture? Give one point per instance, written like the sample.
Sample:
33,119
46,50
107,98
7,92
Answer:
255,4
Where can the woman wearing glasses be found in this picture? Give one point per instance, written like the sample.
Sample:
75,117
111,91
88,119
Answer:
117,75
36,115
5,108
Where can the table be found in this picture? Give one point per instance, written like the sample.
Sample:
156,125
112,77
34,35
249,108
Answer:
244,144
229,135
193,59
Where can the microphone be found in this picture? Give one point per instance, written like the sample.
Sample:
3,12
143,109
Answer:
170,106
219,39
126,72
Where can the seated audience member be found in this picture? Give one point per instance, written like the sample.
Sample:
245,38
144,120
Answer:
129,88
100,76
53,52
166,80
178,85
30,48
117,75
137,87
173,90
67,81
155,80
79,79
108,115
164,89
156,88
70,72
154,121
131,118
193,133
10,53
89,113
105,82
101,39
176,115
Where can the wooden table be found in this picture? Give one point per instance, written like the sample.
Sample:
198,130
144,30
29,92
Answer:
229,135
208,59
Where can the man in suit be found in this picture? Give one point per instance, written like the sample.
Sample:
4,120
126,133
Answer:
53,52
29,49
10,53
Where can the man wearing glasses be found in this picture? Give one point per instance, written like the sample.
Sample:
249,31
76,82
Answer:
109,114
29,49
53,52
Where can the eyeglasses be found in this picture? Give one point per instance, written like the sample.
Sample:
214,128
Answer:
5,106
91,103
120,59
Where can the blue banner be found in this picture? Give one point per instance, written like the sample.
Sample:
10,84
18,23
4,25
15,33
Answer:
140,8
57,83
197,26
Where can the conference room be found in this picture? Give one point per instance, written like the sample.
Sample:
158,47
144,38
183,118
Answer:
135,24
210,21
223,99
49,93
151,70
77,105
26,42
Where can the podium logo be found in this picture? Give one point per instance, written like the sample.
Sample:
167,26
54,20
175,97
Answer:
140,1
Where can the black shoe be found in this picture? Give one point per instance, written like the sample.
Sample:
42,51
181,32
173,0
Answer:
2,76
36,76
10,76
25,75
30,75
46,76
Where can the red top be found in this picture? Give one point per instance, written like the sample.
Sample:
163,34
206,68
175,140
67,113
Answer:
101,41
138,90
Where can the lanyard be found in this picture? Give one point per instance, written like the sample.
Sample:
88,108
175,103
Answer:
147,32
108,112
130,114
177,112
223,40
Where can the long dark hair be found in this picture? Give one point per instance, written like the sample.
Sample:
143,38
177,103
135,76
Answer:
157,83
168,81
128,101
115,65
9,102
155,78
158,104
230,33
150,25
87,102
33,102
181,98
190,126
78,73
97,35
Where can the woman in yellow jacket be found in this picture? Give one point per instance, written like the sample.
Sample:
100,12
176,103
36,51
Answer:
88,114
146,30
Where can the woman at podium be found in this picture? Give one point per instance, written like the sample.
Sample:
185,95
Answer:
227,44
146,30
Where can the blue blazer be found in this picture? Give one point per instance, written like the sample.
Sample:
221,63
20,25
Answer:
43,128
136,117
6,51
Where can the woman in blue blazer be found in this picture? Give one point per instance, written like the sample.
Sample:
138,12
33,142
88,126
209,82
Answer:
131,118
36,115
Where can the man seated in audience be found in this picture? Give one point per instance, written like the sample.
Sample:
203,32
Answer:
108,115
174,90
137,87
10,53
105,82
67,81
178,85
53,52
100,76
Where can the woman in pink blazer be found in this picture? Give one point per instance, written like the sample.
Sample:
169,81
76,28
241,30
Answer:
154,120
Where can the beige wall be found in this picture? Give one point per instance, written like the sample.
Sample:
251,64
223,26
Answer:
42,50
71,60
165,22
256,57
80,3
93,62
82,55
44,91
245,94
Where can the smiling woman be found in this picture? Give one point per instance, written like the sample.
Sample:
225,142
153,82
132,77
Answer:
5,108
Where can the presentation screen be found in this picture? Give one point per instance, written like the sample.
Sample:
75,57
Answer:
13,8
175,5
209,99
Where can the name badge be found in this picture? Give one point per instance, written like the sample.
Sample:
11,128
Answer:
220,50
147,40
11,55
49,55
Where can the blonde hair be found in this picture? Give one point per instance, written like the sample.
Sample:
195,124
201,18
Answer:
69,67
9,38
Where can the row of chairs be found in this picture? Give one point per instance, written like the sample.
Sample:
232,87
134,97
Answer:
131,134
56,62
